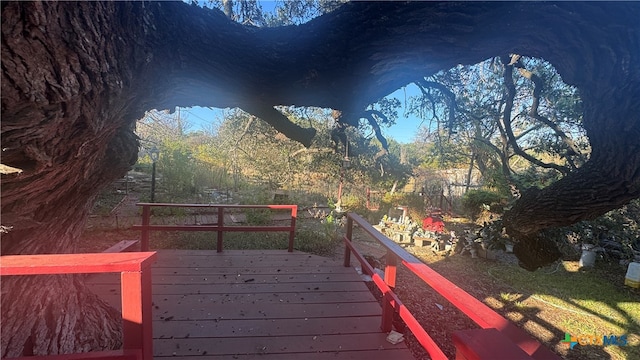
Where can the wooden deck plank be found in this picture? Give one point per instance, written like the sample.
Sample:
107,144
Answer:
270,344
272,311
246,288
212,270
243,278
256,278
383,354
238,275
262,298
265,327
260,304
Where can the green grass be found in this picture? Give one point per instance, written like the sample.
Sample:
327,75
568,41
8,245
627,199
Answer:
578,303
310,237
231,241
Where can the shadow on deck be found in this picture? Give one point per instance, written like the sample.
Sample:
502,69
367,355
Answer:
260,305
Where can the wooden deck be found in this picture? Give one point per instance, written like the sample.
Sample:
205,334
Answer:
260,305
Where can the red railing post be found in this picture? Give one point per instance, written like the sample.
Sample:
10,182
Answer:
220,226
135,275
390,269
146,215
292,233
348,236
387,313
136,311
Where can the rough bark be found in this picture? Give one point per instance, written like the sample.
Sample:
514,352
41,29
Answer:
67,124
76,76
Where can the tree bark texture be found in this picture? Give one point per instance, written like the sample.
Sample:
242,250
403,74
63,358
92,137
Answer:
76,77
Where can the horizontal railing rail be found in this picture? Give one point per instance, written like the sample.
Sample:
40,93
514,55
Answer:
135,275
477,311
220,228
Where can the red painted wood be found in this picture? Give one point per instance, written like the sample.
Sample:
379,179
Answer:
220,228
48,264
236,228
230,206
94,355
220,231
390,269
135,290
292,229
146,215
348,237
486,344
391,302
136,312
477,311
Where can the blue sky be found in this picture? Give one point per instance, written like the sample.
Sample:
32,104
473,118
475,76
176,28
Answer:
201,118
403,131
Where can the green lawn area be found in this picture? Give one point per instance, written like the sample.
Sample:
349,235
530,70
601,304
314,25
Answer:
581,303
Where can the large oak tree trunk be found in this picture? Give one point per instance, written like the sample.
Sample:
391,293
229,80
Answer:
67,124
76,76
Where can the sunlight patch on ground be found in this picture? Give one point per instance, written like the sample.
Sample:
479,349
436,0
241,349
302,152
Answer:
603,311
571,266
632,309
493,302
540,330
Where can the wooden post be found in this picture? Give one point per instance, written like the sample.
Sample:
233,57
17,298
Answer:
146,214
387,313
390,269
348,236
220,226
136,311
292,233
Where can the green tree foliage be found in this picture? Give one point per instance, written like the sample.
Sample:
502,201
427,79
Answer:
188,162
242,149
511,118
474,201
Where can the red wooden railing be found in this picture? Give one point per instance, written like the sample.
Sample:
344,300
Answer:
477,311
135,274
220,227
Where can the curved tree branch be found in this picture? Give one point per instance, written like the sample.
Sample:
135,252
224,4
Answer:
511,92
451,97
368,114
533,112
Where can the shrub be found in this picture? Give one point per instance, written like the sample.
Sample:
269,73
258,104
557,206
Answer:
258,216
474,201
354,203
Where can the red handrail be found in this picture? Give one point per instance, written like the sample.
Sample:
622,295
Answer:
220,228
135,272
477,311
